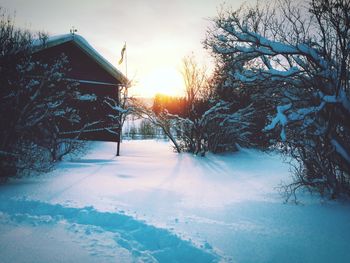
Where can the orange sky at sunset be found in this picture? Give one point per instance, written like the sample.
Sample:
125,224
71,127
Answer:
158,33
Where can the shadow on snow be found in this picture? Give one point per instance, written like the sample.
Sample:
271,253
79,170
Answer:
136,236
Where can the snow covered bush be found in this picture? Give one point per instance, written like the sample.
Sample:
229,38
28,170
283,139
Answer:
208,118
34,103
298,57
237,114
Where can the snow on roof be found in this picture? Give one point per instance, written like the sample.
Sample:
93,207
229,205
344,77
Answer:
40,44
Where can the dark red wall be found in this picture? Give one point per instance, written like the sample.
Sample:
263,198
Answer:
83,67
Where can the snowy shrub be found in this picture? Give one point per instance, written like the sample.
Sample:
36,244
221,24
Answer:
237,114
296,57
208,119
34,104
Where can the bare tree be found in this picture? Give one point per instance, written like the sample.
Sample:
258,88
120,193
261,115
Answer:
196,84
195,79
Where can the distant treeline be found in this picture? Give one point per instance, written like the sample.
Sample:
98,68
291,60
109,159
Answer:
174,105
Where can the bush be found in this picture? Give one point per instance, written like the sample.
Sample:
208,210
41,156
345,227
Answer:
297,58
34,101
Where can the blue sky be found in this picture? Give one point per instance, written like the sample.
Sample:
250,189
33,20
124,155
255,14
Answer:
158,33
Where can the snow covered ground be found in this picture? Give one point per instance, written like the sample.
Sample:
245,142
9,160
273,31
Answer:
151,204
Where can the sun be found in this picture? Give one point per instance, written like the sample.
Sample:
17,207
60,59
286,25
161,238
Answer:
166,81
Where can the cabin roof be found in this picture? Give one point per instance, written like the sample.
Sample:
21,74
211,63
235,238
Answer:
40,44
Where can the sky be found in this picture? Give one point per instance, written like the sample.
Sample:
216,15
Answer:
158,33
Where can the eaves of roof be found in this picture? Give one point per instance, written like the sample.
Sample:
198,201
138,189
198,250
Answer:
81,43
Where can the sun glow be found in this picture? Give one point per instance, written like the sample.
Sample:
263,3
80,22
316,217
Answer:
167,81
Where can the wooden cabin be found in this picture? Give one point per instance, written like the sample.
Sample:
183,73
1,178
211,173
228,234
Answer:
96,78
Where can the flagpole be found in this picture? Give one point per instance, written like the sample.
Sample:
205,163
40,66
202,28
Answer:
126,72
126,75
126,88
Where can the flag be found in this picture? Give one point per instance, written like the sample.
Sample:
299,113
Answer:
122,54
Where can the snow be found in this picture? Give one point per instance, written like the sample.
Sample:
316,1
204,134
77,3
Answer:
300,114
280,118
52,41
341,150
241,77
285,73
92,82
87,97
341,98
153,205
222,38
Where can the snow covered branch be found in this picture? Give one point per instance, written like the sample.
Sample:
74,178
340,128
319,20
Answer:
298,58
114,105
